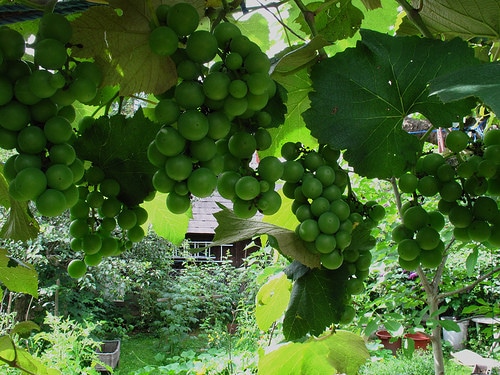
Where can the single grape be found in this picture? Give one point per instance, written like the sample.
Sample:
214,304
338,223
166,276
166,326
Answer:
50,54
51,203
332,261
163,41
55,26
242,145
247,188
178,204
192,125
456,141
201,46
224,32
77,268
269,202
427,238
31,140
202,182
408,249
308,230
183,18
179,167
243,208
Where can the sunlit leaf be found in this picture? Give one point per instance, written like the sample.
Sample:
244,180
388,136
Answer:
18,276
271,301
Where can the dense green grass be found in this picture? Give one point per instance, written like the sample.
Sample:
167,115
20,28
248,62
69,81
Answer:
138,351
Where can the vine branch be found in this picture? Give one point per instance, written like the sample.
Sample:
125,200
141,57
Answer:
414,16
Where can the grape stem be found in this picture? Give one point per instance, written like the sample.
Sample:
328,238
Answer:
414,16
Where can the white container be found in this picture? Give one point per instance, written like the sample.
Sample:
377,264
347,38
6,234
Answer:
456,339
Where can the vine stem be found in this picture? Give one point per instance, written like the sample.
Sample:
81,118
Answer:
414,16
309,18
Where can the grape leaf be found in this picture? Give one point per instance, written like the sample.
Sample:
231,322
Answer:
341,352
118,145
459,18
23,328
256,28
372,4
118,42
19,224
165,223
315,302
362,95
340,20
271,301
479,81
17,276
231,229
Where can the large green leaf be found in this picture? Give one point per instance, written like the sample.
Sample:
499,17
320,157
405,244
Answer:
333,20
232,228
118,41
481,81
166,224
119,145
362,95
341,352
17,276
271,301
316,302
459,18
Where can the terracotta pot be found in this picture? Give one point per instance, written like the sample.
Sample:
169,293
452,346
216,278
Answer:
388,341
421,340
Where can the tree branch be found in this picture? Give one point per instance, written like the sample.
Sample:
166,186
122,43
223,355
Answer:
469,287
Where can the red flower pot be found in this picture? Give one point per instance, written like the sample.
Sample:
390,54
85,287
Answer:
388,341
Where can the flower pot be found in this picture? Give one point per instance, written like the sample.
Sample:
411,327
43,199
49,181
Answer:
109,354
421,340
389,343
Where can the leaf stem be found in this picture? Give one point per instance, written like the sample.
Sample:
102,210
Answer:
414,16
309,17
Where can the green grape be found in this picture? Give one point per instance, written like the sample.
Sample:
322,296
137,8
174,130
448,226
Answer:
93,259
240,44
83,89
163,41
319,206
71,195
203,150
409,265
12,44
63,97
415,218
290,150
308,230
57,80
401,232
90,71
179,167
110,207
461,234
460,216
188,70
303,212
428,186
235,106
263,139
258,83
50,54
376,212
264,119
431,258
31,140
340,208
178,204
243,208
79,228
192,125
445,172
247,188
257,62
325,174
14,116
216,85
494,186
201,46
485,208
80,210
408,249
59,176
491,137
332,261
355,286
226,184
269,202
325,243
487,168
233,61
51,203
55,26
167,111
476,185
456,141
126,219
256,102
494,239
92,243
109,246
62,154
23,160
427,238
450,191
312,187
492,153
431,163
95,199
77,268
189,94
109,187
29,183
6,91
224,32
43,110
78,170
242,145
348,315
407,183
328,223
436,220
169,141
58,130
108,224
445,207
343,239
479,230
155,157
136,234
332,193
40,84
202,182
218,125
183,18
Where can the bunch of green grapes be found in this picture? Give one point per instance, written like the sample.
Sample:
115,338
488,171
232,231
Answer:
101,224
467,184
216,117
327,214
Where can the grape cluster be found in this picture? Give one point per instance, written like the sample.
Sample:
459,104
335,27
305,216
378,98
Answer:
465,180
215,118
101,225
36,113
327,214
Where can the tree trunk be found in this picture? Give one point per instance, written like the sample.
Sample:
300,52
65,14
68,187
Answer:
437,347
